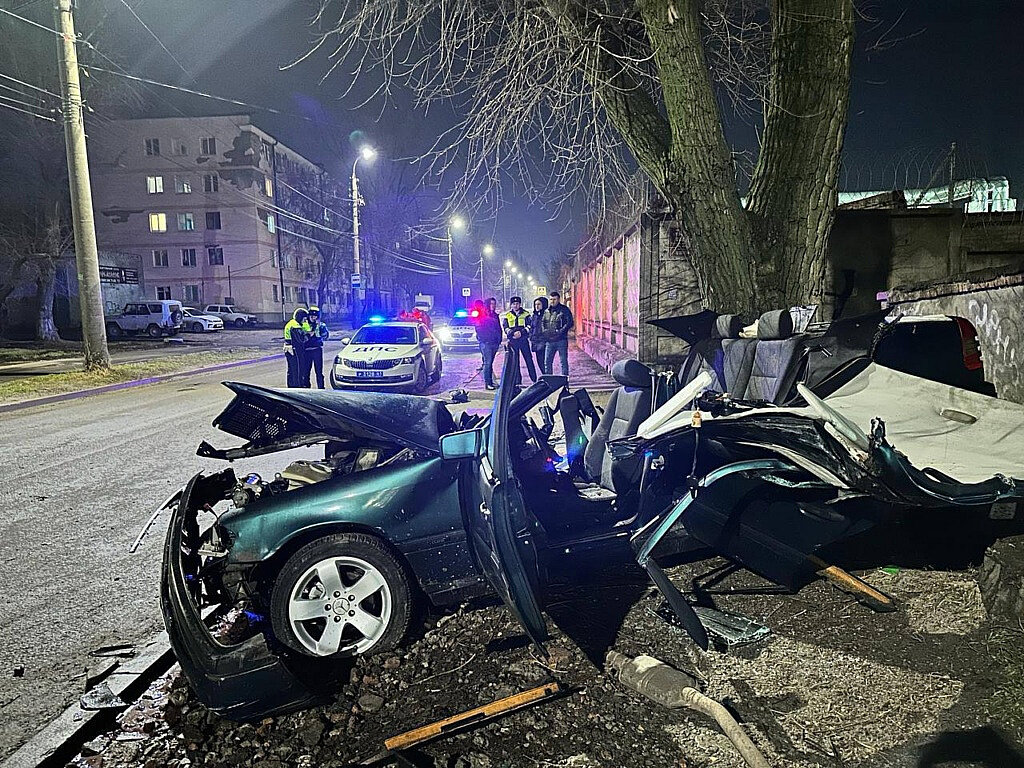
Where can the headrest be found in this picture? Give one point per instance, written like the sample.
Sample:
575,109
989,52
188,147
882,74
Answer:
777,324
727,327
632,373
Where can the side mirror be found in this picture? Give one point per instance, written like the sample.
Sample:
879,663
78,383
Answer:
345,340
468,444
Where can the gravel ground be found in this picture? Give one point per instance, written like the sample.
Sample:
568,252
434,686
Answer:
833,685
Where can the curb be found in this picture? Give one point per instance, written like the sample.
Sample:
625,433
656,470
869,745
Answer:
59,741
129,384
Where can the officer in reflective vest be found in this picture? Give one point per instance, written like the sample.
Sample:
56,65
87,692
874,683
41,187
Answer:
295,347
517,332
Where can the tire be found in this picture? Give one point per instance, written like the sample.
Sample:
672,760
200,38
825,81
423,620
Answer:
370,624
197,327
239,323
154,331
421,379
114,331
438,370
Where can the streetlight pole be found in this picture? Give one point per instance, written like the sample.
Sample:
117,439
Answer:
455,222
366,153
487,250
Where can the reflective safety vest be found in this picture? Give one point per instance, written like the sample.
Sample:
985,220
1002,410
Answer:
512,319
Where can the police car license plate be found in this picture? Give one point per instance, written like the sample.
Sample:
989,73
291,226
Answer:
369,374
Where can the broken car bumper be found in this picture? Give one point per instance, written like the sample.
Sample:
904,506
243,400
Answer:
242,681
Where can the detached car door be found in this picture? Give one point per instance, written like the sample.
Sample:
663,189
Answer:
501,530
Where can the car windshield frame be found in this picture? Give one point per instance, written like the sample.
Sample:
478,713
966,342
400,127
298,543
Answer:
370,330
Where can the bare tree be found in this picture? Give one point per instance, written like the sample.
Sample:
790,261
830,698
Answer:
569,96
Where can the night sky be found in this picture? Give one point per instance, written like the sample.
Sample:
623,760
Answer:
925,74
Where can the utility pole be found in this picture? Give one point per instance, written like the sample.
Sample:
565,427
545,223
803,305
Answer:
357,278
90,297
451,274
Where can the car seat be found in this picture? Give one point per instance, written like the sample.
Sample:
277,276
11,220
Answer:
628,406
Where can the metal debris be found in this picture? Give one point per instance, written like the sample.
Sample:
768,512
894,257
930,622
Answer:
101,697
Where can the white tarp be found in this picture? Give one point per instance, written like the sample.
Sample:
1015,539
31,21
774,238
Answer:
966,435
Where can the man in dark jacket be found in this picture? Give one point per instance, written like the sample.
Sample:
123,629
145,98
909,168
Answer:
316,333
488,334
557,323
515,322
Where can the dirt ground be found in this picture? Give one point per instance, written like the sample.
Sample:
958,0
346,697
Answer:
834,684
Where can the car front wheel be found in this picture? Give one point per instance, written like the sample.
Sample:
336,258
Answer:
197,327
239,323
342,595
421,378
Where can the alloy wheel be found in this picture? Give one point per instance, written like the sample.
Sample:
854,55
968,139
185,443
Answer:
340,605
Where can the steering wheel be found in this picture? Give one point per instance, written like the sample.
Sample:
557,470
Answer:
846,428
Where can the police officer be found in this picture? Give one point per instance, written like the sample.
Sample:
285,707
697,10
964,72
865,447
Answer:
316,334
517,332
295,346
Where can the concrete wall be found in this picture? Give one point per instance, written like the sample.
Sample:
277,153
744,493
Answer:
996,307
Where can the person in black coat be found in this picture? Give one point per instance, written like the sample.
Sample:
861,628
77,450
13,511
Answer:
536,324
489,335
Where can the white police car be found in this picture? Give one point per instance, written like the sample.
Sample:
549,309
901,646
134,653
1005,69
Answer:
388,355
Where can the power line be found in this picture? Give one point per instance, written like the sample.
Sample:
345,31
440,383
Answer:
19,101
25,111
29,21
159,42
29,85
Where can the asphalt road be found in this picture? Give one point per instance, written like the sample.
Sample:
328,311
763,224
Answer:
79,480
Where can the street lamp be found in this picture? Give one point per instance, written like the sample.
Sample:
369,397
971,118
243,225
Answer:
487,250
455,222
366,153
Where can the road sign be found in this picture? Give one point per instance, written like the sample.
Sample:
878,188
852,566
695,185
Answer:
357,281
542,290
467,292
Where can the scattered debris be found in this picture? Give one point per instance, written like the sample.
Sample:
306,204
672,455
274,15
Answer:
726,629
19,671
473,717
671,688
101,697
95,746
120,651
458,396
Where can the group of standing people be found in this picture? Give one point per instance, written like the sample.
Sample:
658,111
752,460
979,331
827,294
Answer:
540,335
304,337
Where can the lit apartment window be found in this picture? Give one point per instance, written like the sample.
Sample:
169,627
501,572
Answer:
158,222
188,257
208,146
163,292
211,183
186,222
271,223
216,256
182,185
152,147
273,290
268,186
160,258
191,293
213,219
154,184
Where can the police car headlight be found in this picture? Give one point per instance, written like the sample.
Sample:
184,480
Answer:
410,360
445,334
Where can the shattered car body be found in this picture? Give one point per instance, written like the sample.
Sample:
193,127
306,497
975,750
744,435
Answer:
327,559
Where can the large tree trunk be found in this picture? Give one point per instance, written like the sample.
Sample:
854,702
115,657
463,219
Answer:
46,283
793,189
773,253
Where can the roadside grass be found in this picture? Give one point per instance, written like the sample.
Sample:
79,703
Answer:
1006,644
32,354
33,387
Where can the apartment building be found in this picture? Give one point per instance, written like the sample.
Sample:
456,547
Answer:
196,200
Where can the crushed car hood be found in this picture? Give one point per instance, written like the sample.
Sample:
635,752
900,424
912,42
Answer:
266,416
